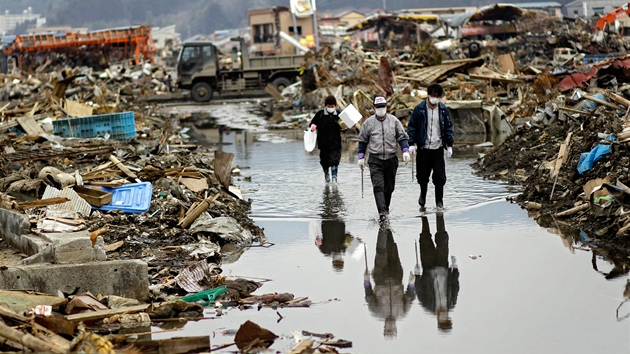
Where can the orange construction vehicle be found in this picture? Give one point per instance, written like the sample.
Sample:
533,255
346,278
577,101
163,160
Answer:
116,44
621,11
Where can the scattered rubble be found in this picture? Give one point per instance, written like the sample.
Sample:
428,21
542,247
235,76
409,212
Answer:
74,140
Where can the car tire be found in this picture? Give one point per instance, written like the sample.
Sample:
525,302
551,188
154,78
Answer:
474,49
201,92
281,83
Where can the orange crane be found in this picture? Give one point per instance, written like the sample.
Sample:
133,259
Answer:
621,11
117,43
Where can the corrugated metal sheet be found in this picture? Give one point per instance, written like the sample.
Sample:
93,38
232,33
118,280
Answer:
76,203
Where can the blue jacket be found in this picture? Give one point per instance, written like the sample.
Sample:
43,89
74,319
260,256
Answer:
417,126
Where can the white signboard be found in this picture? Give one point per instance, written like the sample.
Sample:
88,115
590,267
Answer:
350,116
302,8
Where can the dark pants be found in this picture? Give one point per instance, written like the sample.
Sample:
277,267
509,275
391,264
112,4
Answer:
434,254
383,175
329,158
428,161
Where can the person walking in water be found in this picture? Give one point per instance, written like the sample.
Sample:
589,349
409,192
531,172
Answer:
328,130
431,129
379,136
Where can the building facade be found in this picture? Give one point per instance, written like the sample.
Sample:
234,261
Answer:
9,21
551,7
265,26
590,8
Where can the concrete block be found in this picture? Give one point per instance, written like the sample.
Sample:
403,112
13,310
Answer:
127,278
69,247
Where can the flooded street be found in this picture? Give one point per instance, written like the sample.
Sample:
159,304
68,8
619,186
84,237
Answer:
510,286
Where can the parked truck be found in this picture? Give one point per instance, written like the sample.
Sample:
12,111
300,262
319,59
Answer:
200,71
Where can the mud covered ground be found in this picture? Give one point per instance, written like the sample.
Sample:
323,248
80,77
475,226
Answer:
526,157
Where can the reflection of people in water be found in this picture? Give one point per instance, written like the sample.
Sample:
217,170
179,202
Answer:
388,299
438,285
334,240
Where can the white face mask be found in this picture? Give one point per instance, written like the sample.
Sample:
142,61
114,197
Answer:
434,100
330,110
381,111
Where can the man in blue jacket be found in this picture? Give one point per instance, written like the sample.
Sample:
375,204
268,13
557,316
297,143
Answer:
431,129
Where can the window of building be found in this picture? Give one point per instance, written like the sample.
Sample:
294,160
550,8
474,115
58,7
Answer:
576,13
299,30
263,33
598,10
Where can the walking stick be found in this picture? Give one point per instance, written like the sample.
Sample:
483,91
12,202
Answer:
412,168
361,182
365,256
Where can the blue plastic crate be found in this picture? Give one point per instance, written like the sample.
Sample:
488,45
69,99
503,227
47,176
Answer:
119,126
130,198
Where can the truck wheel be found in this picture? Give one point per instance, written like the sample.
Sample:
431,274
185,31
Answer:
201,92
281,83
474,49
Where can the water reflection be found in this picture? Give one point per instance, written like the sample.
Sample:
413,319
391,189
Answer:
437,286
334,241
387,298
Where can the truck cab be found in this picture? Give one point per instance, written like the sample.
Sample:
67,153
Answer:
198,69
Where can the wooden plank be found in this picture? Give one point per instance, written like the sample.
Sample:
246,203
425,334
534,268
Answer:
223,167
507,64
605,103
97,315
43,202
76,109
122,167
273,91
30,126
29,340
574,210
34,109
49,335
498,79
177,345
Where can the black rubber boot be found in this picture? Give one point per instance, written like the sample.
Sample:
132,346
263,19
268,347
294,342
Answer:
439,195
422,200
333,172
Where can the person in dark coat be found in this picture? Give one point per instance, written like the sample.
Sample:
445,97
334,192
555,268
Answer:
431,129
328,130
437,286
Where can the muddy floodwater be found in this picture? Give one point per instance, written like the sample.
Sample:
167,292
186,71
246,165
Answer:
483,277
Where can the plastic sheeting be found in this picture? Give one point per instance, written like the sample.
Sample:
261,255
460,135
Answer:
588,159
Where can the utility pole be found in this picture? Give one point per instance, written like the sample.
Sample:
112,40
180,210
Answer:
314,7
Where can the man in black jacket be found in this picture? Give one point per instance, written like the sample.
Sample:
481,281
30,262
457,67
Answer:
328,130
431,129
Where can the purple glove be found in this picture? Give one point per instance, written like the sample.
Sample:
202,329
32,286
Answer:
361,155
405,150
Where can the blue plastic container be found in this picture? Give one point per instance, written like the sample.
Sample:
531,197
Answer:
131,198
119,126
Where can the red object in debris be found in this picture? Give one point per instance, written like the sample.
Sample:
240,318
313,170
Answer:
577,79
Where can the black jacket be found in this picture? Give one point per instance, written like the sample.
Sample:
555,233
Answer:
417,126
328,130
